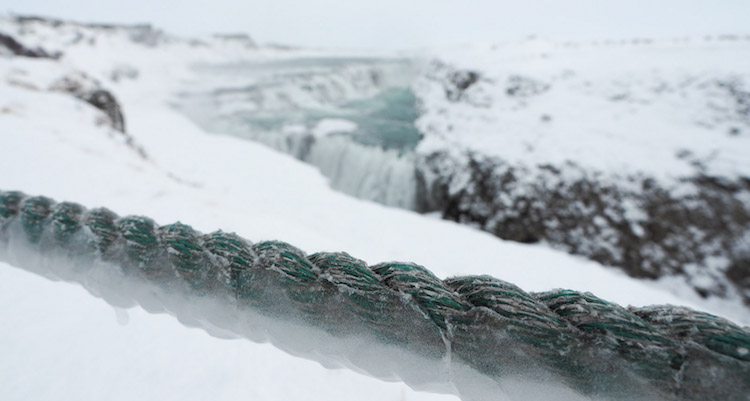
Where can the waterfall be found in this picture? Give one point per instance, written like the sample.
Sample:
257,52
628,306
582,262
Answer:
353,119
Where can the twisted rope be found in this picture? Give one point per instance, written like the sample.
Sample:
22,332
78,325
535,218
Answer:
494,327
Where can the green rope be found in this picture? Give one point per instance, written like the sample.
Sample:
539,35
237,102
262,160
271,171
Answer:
33,213
10,202
428,291
491,325
712,332
354,280
101,223
141,243
66,221
651,353
232,256
186,254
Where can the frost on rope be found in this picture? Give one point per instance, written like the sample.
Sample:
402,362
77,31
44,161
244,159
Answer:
476,337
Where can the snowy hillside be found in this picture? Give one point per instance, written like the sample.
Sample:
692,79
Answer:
666,109
631,153
60,137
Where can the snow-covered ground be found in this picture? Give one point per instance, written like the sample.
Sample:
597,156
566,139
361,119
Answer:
59,342
660,108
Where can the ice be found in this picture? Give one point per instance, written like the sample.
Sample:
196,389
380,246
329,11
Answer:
329,126
350,117
384,176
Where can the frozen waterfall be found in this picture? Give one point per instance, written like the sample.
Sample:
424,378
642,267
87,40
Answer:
351,118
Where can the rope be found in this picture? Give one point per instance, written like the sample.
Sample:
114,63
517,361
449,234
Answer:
494,327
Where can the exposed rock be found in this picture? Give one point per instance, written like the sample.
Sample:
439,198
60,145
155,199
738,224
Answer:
636,224
741,98
520,86
146,35
459,85
739,273
143,34
18,49
241,38
458,82
106,102
53,22
463,79
122,72
89,90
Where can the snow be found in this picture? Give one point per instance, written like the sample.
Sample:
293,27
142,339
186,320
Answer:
596,104
366,172
328,126
66,344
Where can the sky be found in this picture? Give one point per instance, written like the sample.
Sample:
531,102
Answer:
397,24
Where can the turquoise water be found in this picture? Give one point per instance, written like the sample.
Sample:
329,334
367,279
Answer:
269,95
385,120
280,103
305,63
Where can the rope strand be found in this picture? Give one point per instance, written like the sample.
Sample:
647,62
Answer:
494,327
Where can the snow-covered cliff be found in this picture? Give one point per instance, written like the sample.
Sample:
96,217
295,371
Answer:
633,154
